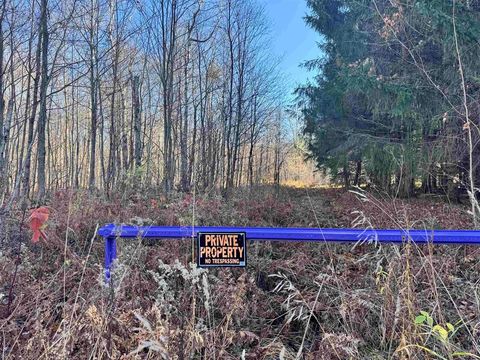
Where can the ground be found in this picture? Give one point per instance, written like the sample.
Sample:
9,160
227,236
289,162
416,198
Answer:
314,301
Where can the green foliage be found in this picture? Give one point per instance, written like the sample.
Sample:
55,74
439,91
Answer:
443,335
388,90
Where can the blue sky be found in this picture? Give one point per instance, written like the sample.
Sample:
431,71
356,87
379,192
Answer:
292,40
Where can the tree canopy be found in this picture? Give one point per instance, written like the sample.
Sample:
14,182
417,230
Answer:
395,100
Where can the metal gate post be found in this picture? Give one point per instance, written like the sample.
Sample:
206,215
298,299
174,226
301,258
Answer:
110,255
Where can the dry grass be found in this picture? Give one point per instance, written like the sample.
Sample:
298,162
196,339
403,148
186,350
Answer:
339,301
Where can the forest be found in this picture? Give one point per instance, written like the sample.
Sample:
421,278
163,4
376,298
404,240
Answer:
179,113
99,93
396,98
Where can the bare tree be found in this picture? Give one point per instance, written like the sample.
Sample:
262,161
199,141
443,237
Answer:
99,88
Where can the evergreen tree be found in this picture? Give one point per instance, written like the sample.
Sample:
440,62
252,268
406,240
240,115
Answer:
387,101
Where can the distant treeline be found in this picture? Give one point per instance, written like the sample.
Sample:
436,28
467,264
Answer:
395,103
166,93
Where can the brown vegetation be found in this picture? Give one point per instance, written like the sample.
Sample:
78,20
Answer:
315,301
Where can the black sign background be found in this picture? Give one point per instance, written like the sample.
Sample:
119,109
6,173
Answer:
217,255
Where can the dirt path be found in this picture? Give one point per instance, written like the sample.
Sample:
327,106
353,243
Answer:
312,207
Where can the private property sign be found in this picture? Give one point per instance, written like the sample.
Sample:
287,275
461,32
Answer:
221,249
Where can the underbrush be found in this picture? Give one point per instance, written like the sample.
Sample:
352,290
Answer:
304,301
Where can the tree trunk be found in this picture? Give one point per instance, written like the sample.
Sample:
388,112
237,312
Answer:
33,113
358,173
346,176
2,104
42,119
184,178
137,121
93,104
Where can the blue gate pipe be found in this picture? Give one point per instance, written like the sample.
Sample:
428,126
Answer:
111,232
